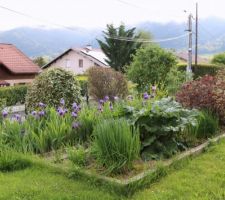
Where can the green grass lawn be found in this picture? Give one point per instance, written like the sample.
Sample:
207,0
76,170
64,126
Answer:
201,178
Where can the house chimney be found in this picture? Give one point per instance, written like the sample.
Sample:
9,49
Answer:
88,47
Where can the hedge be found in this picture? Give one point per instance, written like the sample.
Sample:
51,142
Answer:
201,69
13,94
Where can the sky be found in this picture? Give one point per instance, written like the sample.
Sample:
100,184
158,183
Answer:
98,13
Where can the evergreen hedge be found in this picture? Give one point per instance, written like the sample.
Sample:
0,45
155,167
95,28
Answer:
13,94
201,69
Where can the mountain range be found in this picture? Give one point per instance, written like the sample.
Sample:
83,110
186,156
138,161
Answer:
40,41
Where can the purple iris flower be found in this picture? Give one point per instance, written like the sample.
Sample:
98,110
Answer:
101,101
41,105
106,98
34,113
41,113
100,108
4,113
62,101
111,106
74,114
75,125
75,106
145,96
61,112
17,117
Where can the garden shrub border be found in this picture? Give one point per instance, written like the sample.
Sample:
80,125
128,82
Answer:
130,185
201,69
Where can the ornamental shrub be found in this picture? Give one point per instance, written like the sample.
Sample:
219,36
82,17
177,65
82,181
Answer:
106,82
150,66
52,85
160,126
201,69
116,144
197,93
13,94
218,95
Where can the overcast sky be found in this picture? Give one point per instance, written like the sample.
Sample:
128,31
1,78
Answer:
97,13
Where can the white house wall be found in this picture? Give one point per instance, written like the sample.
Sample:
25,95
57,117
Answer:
73,58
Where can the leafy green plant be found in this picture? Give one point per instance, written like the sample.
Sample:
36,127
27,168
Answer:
77,155
160,127
150,65
11,160
52,85
201,69
116,144
13,95
174,80
207,125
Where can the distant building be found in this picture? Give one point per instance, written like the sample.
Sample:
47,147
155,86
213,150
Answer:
78,60
15,67
183,58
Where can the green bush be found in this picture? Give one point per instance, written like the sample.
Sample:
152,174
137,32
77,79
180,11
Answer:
207,125
160,126
13,94
106,82
84,87
77,156
52,85
219,59
174,80
116,144
150,66
201,69
11,160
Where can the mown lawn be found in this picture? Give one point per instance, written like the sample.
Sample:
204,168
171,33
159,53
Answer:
201,178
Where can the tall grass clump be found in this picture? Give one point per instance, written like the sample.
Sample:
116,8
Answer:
207,126
116,145
11,160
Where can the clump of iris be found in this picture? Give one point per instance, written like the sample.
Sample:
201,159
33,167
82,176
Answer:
4,113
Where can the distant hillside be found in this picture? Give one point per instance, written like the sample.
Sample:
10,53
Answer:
41,41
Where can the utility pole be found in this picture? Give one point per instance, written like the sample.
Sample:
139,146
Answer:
189,64
196,36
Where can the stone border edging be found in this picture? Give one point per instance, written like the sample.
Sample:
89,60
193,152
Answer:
194,151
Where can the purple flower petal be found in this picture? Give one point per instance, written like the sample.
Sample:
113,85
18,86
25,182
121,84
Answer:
4,113
75,125
62,101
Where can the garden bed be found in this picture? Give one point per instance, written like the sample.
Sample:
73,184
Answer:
142,174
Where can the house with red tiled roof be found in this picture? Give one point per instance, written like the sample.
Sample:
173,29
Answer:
15,66
79,60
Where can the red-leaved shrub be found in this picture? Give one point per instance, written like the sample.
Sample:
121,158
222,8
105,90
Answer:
218,95
197,93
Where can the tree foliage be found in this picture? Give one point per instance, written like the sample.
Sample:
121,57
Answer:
119,52
219,59
40,61
150,65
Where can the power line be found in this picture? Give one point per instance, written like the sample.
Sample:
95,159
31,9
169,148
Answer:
35,18
148,41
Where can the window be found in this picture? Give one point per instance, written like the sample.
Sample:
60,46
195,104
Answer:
80,63
68,63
